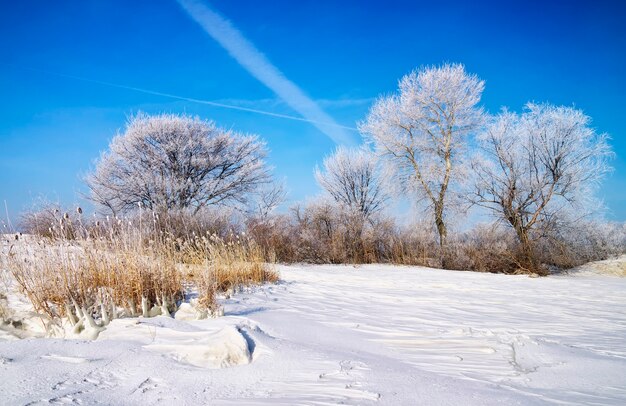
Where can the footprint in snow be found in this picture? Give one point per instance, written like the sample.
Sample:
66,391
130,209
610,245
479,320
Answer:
149,384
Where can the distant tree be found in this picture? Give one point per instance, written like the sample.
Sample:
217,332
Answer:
421,133
352,179
268,199
170,161
536,165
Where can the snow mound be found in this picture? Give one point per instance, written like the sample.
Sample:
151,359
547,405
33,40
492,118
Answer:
187,312
222,347
612,267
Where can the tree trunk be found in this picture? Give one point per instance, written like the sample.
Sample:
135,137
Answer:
443,234
528,260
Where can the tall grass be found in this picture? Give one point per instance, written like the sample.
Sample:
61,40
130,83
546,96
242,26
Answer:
224,265
138,265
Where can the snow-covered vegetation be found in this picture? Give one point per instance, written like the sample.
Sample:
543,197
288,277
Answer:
177,271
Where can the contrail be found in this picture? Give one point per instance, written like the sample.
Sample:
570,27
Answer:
257,64
176,97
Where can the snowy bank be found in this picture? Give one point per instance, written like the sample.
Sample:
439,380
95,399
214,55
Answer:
354,335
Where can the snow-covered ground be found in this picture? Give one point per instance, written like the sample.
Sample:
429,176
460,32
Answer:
353,335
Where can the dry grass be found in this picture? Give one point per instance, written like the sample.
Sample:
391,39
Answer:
116,268
225,265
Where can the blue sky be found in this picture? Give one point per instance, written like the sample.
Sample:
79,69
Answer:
341,54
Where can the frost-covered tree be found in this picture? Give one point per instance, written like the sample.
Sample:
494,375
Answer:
269,197
536,165
352,179
170,161
421,133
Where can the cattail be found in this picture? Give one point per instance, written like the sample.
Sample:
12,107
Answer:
66,216
17,237
79,210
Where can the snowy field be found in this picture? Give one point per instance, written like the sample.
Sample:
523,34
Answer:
350,335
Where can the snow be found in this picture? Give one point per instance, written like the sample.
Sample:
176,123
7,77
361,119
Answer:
220,348
613,267
373,334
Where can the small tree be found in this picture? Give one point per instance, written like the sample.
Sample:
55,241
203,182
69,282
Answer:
537,164
170,161
269,197
351,177
421,132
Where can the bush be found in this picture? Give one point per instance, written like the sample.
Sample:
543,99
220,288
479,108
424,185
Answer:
485,248
323,232
576,243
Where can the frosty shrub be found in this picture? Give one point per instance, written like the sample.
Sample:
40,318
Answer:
219,221
415,243
578,241
168,161
485,248
277,234
322,231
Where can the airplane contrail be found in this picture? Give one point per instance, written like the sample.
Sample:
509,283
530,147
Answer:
259,66
189,99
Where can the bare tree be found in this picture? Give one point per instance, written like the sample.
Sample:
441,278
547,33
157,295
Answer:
351,177
173,161
537,164
421,132
268,199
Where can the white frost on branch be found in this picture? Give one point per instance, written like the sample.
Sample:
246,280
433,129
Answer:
421,132
539,167
352,179
173,161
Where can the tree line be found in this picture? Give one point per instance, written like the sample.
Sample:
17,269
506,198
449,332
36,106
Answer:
431,142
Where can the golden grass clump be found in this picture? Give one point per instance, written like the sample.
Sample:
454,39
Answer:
100,279
123,268
221,265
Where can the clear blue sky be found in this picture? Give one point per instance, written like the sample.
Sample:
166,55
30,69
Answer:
342,54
